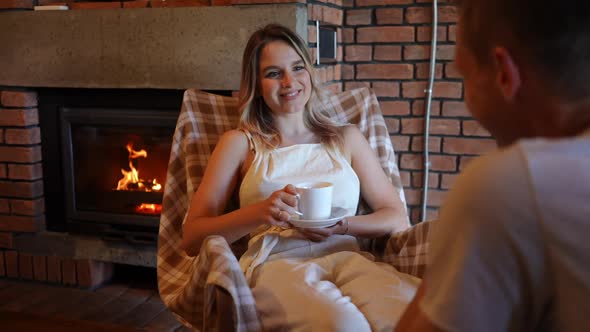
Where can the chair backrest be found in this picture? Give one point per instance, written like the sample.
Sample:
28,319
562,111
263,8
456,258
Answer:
203,119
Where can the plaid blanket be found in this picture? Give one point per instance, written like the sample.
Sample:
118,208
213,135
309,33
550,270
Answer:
187,284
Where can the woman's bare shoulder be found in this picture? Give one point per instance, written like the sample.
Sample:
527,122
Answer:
234,141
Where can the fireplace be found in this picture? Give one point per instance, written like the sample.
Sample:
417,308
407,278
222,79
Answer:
106,158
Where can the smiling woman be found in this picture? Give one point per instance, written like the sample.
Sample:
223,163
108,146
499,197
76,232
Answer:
282,141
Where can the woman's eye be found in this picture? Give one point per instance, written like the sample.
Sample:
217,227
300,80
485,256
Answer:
272,74
299,68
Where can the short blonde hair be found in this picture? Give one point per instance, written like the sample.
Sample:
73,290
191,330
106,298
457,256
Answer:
255,115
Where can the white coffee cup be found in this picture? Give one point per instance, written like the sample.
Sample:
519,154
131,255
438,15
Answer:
314,200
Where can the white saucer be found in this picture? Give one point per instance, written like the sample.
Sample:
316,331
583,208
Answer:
337,214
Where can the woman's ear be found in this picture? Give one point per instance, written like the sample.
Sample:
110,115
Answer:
508,76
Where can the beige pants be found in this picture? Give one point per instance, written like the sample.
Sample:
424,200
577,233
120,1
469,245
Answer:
339,292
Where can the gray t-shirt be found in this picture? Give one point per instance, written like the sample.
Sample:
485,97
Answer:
512,250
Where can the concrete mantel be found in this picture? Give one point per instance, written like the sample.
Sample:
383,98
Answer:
178,48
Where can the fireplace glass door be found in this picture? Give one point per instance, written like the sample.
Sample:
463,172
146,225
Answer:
115,164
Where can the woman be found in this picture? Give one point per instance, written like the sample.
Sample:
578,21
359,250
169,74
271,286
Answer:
301,278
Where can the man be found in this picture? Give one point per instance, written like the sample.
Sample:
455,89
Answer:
512,248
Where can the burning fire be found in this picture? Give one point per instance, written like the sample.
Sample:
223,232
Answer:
131,181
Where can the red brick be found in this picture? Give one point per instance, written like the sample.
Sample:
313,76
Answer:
455,109
386,89
468,146
441,89
400,143
387,53
358,16
473,128
15,117
392,125
424,34
4,206
464,161
434,144
20,154
385,34
221,2
418,178
437,126
40,268
448,180
384,71
11,263
413,196
21,223
314,12
16,4
417,15
338,72
94,5
332,16
422,52
2,264
27,207
348,72
54,269
361,3
6,240
145,3
423,70
355,85
25,172
68,272
447,14
358,53
251,2
348,35
453,33
436,197
92,273
348,3
21,189
312,34
179,3
395,108
389,16
23,136
25,266
52,2
451,71
405,178
419,107
3,171
437,162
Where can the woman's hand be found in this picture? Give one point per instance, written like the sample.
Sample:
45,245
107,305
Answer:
276,210
320,234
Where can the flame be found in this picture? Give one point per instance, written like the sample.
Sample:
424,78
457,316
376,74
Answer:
146,208
130,179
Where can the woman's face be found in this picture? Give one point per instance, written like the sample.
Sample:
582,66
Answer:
284,81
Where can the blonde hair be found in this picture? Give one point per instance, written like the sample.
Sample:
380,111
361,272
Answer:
255,115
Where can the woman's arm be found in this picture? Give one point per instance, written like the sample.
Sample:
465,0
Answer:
205,215
389,214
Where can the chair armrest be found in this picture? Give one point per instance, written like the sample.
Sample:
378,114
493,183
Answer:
408,251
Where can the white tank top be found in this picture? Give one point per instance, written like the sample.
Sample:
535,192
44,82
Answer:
273,170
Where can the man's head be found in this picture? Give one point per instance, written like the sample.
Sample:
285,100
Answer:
509,51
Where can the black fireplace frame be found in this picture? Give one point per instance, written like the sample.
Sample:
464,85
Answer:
154,107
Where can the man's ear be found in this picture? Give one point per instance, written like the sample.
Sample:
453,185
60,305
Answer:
508,76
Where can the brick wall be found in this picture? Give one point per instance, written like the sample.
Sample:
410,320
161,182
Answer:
387,47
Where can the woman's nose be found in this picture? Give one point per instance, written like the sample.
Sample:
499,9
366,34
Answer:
287,80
